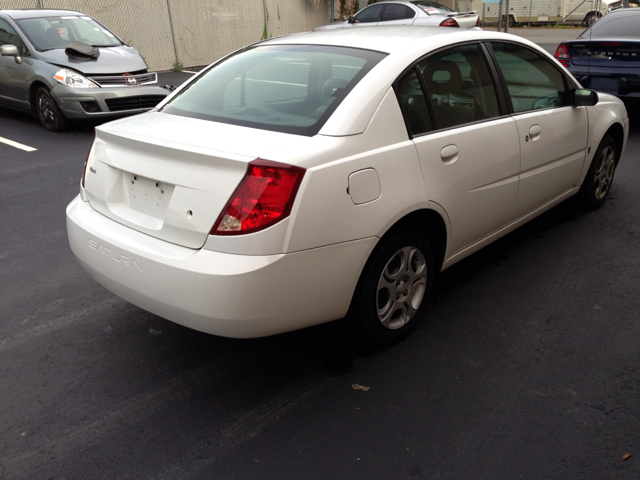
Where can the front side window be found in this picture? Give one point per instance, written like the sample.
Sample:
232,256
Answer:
284,88
369,14
459,86
532,80
395,11
49,33
8,36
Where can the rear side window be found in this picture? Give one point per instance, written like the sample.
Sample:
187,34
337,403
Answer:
459,86
395,11
284,88
414,104
532,80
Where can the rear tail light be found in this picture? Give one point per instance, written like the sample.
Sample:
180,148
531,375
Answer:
449,22
263,197
562,54
478,22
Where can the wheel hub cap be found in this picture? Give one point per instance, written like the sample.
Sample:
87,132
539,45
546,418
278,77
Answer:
603,175
401,287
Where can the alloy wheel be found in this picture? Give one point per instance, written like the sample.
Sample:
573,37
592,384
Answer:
401,287
603,174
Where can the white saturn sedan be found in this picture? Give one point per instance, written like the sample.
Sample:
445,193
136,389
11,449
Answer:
332,174
407,12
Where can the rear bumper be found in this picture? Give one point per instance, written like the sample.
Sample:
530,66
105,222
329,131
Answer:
619,82
240,296
71,101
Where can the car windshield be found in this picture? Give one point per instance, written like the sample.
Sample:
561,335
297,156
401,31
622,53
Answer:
47,33
284,88
615,26
428,6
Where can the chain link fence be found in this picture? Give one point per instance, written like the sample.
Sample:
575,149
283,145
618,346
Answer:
188,33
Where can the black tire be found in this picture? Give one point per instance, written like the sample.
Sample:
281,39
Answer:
48,112
590,19
597,183
404,262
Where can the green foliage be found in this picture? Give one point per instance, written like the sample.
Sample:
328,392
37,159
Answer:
177,67
264,32
278,11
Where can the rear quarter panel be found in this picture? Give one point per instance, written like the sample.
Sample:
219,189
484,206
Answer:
326,214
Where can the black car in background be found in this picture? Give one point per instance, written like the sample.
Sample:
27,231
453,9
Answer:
606,56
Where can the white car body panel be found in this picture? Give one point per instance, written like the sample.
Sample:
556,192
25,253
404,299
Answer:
190,286
363,175
552,158
478,196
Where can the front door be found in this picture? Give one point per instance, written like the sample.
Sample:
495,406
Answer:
552,133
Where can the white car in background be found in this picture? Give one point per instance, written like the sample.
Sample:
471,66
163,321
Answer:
414,12
317,175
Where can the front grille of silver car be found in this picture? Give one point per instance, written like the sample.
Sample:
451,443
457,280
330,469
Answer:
126,80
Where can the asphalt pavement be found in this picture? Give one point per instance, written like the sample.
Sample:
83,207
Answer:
525,366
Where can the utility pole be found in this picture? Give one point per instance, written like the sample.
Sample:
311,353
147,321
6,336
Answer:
506,18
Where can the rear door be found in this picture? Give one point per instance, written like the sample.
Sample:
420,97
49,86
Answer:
552,133
467,145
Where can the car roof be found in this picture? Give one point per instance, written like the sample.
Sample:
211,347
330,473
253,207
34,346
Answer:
391,39
38,13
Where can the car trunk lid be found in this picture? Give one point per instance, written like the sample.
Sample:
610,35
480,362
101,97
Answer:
613,53
170,177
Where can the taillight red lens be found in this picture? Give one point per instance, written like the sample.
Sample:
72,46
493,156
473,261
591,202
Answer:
449,22
264,197
562,54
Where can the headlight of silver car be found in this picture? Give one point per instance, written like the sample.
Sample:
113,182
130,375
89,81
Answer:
72,79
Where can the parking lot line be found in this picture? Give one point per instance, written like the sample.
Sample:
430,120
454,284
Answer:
26,148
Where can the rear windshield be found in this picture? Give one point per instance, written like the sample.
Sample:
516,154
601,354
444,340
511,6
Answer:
48,33
283,88
615,26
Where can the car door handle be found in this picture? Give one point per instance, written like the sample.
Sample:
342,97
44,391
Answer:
449,154
534,132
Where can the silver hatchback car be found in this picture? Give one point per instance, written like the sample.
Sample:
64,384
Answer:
63,65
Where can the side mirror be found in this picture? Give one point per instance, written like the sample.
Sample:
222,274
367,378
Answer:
582,97
11,51
352,19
